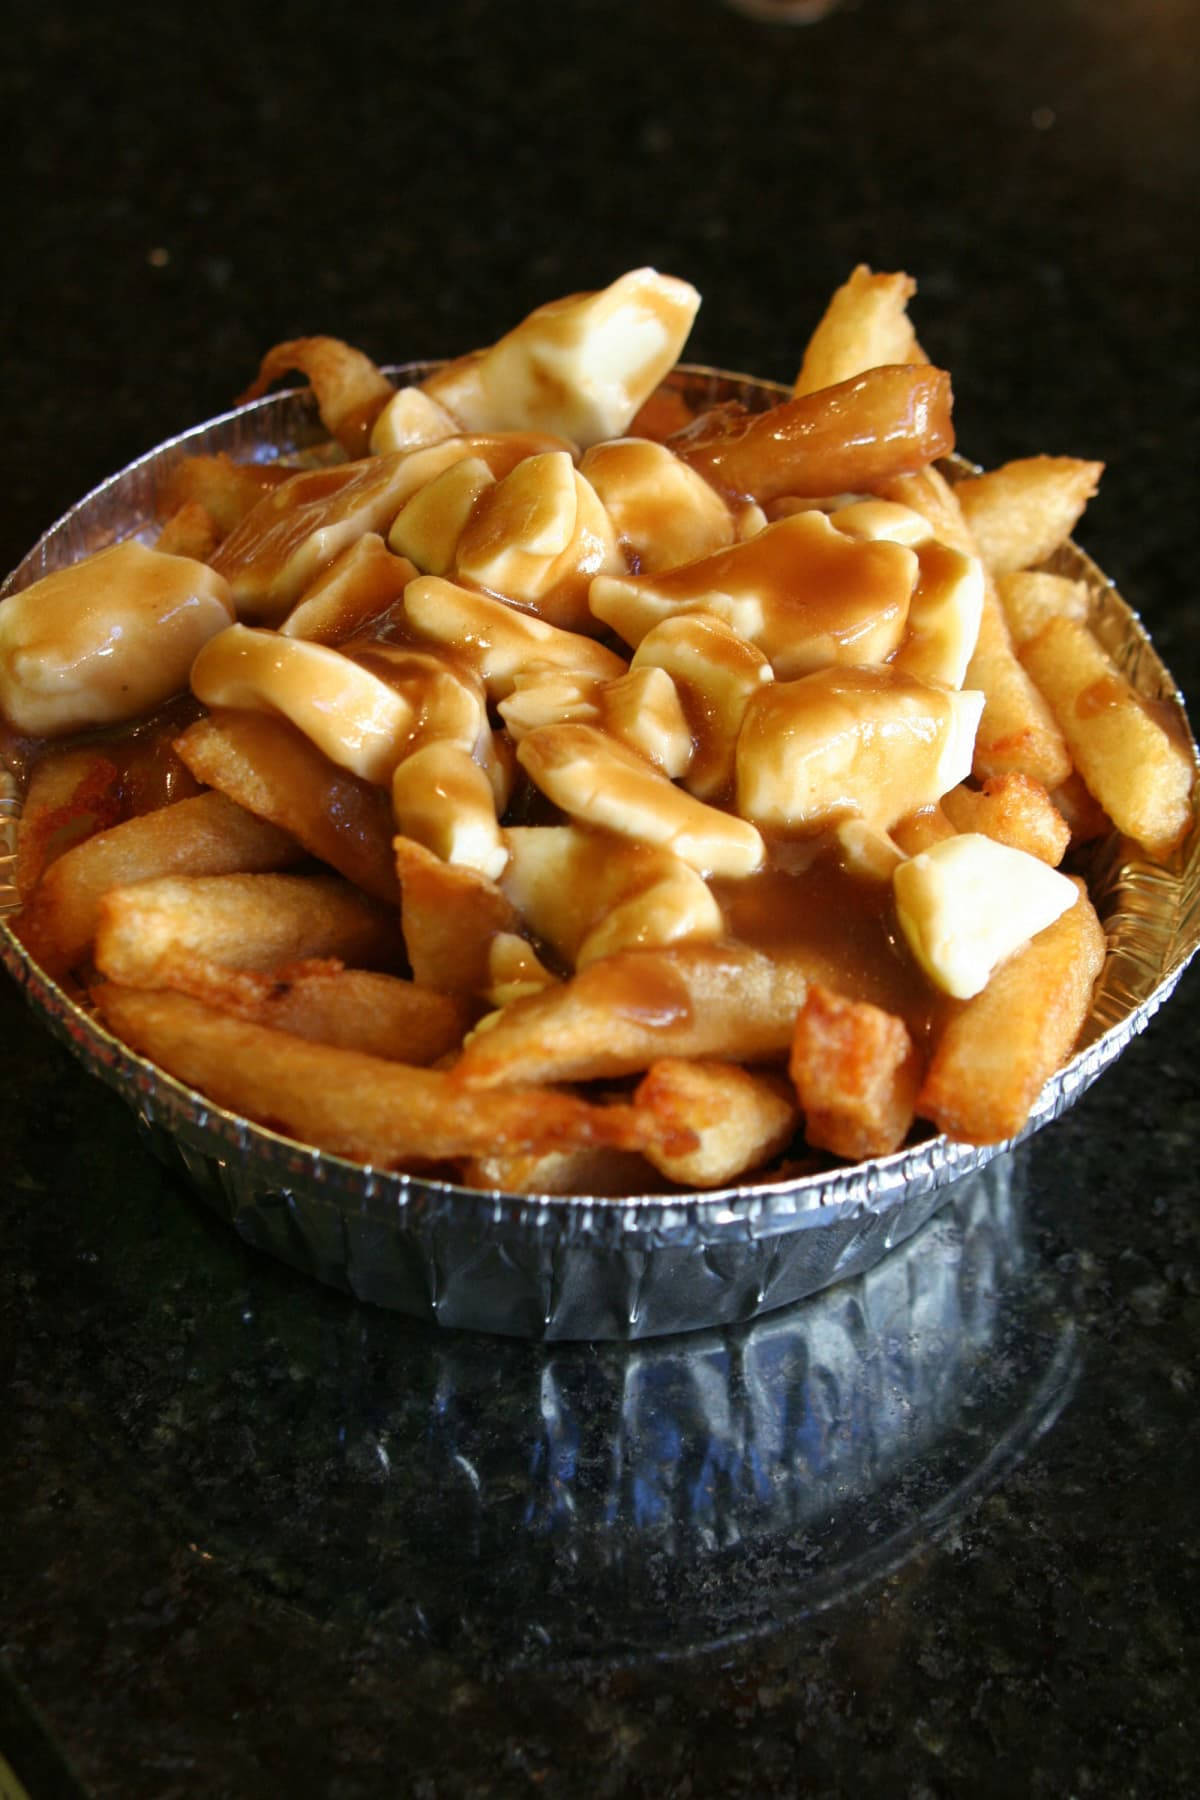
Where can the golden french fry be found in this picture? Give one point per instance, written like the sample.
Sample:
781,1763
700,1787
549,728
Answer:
1014,809
844,439
865,324
1018,730
740,1118
384,1113
856,1071
916,831
350,391
72,794
240,922
449,914
190,531
928,492
1032,597
205,835
358,1009
1022,511
273,770
1083,813
225,489
997,1051
623,1013
1140,772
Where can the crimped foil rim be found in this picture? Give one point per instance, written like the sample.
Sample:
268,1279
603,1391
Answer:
1152,913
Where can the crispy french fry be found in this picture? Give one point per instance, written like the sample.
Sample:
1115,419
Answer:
1082,811
72,794
450,914
383,1113
240,922
1032,597
225,489
741,1118
1139,772
998,1050
1022,511
621,1014
916,831
358,1009
190,531
273,770
844,439
205,835
928,492
1014,809
350,390
856,1071
1018,730
865,324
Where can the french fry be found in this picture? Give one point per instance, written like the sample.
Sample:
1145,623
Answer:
1082,811
1018,730
205,835
350,391
1032,597
928,492
1141,775
865,324
190,531
856,1071
72,794
844,439
357,1009
274,771
240,922
387,1114
1022,511
225,489
621,1014
998,1050
1014,809
740,1118
449,914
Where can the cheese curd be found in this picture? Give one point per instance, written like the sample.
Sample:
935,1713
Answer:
107,639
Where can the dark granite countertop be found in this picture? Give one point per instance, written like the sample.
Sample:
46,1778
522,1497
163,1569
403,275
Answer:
931,1534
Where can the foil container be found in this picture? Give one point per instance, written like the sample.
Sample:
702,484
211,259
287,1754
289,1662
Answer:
555,1266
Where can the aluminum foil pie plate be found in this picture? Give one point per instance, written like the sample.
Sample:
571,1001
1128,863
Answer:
558,1266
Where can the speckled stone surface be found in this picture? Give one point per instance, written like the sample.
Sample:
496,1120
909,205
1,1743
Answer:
932,1534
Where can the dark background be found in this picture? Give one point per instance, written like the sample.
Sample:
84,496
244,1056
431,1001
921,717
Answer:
185,187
